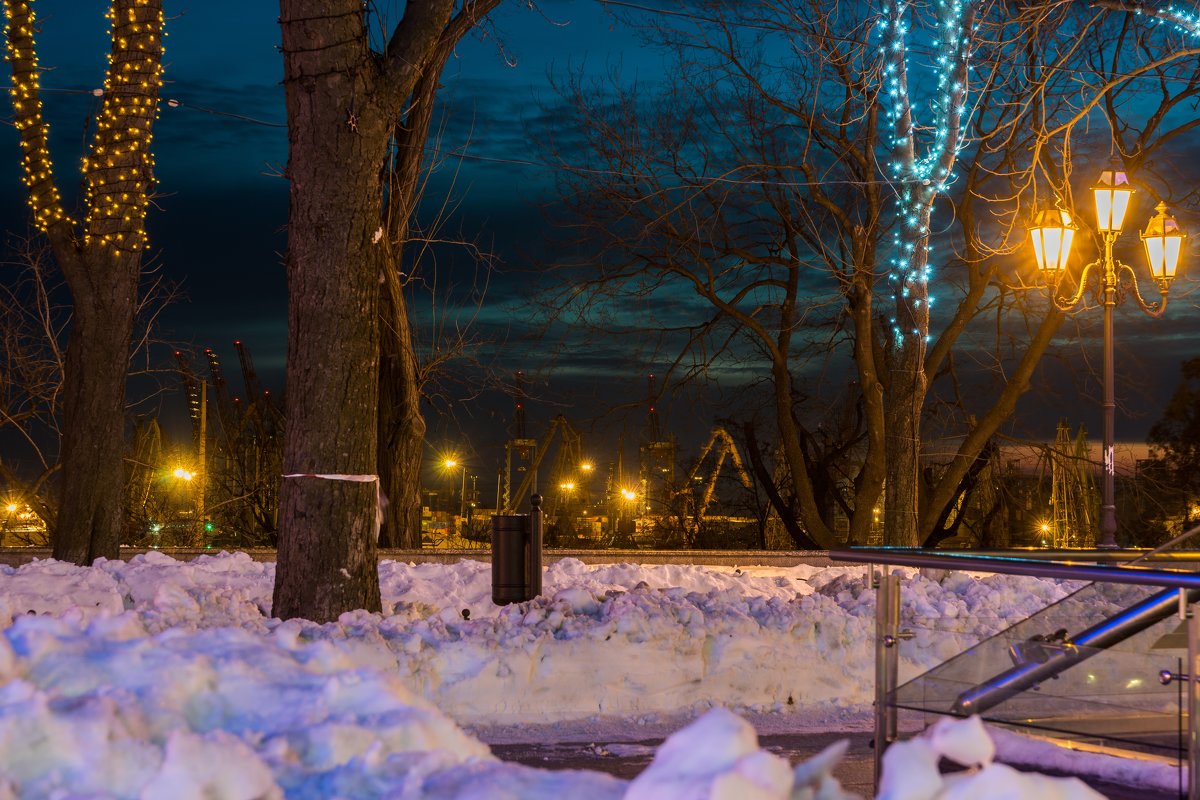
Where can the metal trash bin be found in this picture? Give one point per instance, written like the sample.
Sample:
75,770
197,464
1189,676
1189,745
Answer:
517,555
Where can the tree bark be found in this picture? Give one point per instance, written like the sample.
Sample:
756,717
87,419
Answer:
401,427
343,101
97,362
902,490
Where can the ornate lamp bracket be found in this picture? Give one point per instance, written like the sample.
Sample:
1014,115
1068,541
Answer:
1127,278
1063,303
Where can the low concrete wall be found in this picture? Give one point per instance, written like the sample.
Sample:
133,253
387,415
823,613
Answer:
1189,559
16,556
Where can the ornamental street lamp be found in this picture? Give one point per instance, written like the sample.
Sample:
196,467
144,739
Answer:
1052,233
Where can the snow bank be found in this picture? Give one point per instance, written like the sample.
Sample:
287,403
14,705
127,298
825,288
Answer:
164,679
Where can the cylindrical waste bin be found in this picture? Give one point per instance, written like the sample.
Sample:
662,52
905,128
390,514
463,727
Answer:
510,558
517,555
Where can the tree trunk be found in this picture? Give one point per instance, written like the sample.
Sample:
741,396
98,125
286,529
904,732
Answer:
328,503
401,426
908,383
97,361
328,500
902,490
793,451
342,102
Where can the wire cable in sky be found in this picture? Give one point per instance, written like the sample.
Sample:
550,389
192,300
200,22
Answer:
461,154
173,103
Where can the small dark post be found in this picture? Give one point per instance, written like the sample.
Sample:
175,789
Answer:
535,545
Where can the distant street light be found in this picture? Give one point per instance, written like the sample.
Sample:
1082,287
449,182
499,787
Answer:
201,525
450,464
1052,233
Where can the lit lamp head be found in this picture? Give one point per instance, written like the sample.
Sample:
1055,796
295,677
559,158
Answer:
1112,193
1164,243
1052,234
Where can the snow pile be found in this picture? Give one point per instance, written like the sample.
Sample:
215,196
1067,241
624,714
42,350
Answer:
640,641
164,679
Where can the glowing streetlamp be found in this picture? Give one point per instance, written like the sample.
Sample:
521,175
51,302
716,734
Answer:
1052,233
450,464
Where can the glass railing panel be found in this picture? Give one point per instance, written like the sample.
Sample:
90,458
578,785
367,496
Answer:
1111,693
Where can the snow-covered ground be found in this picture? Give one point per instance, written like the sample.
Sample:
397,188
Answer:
155,678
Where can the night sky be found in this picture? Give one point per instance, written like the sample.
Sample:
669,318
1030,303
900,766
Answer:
219,226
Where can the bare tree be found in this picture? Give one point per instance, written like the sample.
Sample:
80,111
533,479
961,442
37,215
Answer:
344,102
406,369
779,197
749,182
32,323
100,257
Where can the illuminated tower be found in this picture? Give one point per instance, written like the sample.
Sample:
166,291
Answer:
656,463
519,451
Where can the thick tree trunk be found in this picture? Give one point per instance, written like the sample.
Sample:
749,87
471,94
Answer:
903,426
872,479
906,390
335,259
343,102
89,518
327,549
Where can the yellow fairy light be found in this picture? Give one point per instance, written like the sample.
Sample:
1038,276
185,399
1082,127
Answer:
115,196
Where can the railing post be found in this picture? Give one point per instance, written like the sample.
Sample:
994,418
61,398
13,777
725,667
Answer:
1193,700
887,661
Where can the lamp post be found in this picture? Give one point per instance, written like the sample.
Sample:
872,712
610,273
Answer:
1052,233
450,464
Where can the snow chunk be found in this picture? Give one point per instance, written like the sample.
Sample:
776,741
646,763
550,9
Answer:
215,766
715,758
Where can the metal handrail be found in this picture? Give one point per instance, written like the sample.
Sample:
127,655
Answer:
887,623
904,557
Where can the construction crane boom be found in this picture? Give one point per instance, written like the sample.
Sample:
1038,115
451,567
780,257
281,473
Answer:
726,447
253,390
557,425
